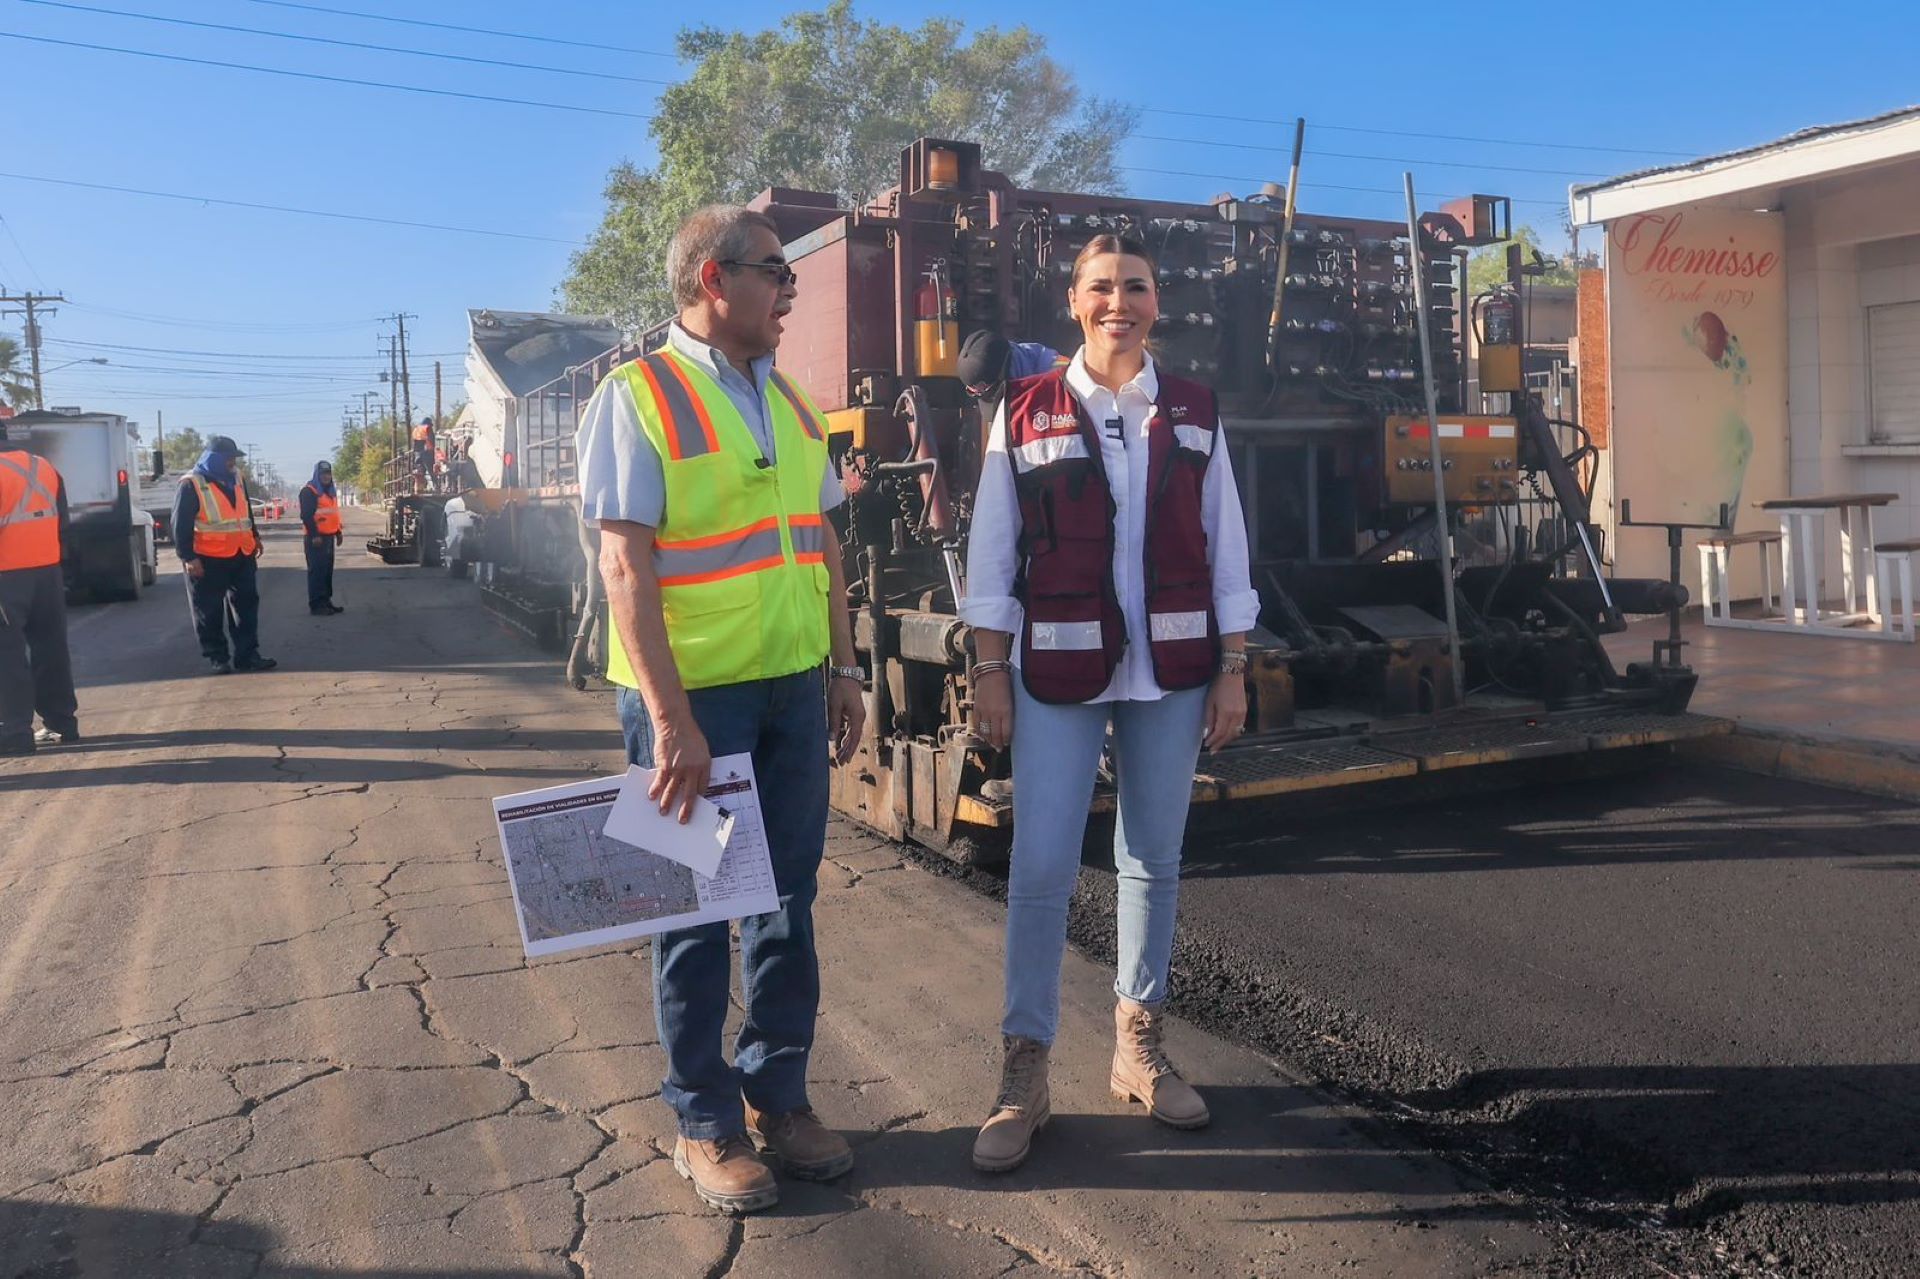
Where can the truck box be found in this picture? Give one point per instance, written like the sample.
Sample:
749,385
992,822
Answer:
110,551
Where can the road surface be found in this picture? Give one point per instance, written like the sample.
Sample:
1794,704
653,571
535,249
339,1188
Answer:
263,1012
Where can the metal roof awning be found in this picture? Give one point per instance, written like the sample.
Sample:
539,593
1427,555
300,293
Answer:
1760,172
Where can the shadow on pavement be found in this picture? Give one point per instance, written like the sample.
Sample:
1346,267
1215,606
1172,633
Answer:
79,1241
1707,1137
305,770
1260,1141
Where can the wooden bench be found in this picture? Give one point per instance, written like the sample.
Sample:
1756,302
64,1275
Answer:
1716,592
1893,566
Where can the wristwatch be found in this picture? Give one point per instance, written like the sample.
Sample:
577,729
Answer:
858,674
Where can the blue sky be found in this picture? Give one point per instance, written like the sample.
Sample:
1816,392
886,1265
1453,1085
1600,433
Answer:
262,325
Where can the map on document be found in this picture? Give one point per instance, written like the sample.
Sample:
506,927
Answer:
574,886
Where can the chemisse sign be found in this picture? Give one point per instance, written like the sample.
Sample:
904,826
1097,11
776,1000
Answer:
1697,319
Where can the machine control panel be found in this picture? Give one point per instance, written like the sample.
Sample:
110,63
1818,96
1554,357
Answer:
1479,455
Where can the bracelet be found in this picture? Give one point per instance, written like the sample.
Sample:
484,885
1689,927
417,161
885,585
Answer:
1233,662
992,667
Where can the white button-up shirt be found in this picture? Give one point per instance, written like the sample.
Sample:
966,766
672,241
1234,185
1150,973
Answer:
993,558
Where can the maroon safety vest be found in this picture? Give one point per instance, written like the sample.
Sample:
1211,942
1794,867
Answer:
1074,633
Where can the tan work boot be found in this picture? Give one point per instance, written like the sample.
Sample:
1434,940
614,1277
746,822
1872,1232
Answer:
1021,1110
726,1174
802,1145
1142,1073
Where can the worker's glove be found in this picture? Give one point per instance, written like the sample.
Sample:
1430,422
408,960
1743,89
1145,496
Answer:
339,539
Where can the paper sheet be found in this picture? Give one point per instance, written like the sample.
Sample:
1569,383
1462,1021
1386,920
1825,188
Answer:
575,886
635,819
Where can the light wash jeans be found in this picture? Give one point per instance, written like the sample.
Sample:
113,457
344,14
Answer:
1056,756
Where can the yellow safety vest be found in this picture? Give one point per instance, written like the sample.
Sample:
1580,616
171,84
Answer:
741,550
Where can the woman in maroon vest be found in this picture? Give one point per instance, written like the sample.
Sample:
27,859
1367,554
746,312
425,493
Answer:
1107,587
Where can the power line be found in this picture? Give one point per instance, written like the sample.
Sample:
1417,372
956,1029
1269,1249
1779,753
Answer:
1403,133
1305,186
329,79
1382,159
348,44
283,208
449,26
178,321
236,355
21,249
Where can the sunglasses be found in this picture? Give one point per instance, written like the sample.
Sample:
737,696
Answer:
779,272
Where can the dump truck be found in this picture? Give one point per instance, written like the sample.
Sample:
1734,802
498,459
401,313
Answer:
1433,589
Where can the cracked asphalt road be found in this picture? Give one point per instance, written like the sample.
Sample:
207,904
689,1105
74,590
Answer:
263,1011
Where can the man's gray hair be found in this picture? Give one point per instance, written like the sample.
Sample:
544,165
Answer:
720,232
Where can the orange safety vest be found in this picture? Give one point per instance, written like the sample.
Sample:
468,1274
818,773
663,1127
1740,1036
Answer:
29,512
326,512
224,528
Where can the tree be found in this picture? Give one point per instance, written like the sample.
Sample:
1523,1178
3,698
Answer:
183,448
826,103
346,454
15,390
376,451
1487,266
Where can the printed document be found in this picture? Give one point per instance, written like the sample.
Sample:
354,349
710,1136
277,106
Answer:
575,886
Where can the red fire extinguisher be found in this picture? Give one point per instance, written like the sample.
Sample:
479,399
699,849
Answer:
1498,316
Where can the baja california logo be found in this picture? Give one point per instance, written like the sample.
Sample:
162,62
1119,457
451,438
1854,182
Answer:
1040,420
1043,421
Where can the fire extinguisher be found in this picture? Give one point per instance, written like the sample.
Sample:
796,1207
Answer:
1497,317
936,326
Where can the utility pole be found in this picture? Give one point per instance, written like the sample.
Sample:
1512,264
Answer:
29,301
393,396
436,395
406,384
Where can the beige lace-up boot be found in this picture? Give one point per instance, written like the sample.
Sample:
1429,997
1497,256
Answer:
1142,1073
1021,1110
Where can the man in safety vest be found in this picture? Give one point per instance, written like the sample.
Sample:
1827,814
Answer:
35,671
706,471
422,453
214,532
320,518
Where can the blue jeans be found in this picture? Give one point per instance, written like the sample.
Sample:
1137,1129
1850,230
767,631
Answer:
1056,757
782,723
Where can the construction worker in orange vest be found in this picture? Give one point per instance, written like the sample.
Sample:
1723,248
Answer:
320,518
35,670
214,532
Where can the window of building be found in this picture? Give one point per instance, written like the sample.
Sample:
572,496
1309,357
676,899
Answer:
1893,373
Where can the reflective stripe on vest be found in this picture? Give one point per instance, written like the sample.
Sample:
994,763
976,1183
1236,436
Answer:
740,551
1074,631
222,530
326,512
809,418
36,501
29,520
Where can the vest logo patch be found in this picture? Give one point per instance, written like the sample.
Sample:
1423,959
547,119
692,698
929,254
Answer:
1044,421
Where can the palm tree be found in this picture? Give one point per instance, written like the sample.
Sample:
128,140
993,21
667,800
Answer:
14,388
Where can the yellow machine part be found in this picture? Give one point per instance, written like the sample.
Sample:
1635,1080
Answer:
1479,455
1266,772
936,347
1500,370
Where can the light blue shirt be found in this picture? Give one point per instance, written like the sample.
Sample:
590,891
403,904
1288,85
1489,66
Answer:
621,477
